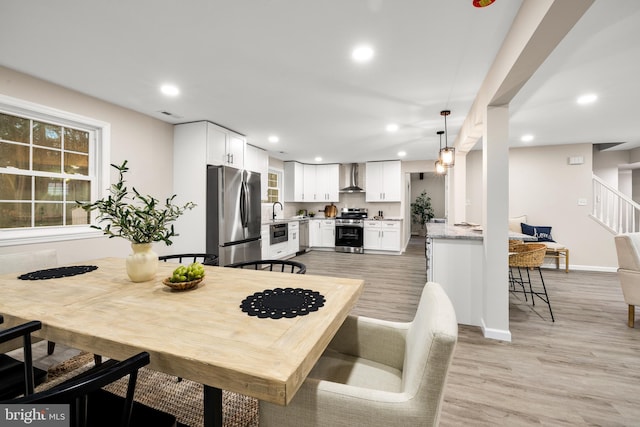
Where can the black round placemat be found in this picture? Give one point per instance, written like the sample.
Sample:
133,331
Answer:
55,273
282,302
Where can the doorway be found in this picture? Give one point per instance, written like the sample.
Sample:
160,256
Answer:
434,185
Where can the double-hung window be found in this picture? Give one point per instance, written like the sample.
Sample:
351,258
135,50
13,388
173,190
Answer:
49,159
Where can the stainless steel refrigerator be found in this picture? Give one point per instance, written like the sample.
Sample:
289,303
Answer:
233,214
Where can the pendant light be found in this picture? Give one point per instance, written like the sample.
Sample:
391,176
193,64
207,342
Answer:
447,154
482,3
440,169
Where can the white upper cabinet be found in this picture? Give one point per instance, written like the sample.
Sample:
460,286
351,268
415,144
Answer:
235,147
383,181
293,182
257,160
224,147
328,183
311,183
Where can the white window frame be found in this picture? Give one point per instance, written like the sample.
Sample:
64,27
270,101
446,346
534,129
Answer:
98,167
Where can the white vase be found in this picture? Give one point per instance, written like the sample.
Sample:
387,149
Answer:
142,264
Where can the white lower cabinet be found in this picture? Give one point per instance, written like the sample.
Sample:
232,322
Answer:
264,234
322,233
382,235
279,250
294,238
283,249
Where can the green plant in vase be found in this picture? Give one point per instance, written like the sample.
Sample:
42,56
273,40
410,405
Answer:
142,220
422,211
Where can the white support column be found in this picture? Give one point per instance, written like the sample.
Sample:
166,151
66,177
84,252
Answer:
495,160
458,206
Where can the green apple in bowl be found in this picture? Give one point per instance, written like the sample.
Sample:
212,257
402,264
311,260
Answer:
193,271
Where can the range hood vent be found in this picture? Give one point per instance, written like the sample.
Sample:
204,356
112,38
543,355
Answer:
353,181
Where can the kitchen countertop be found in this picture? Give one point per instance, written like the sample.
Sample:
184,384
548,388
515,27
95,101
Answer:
292,219
446,231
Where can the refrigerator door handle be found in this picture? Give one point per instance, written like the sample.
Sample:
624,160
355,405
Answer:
244,203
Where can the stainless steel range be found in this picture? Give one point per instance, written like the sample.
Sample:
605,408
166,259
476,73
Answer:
350,230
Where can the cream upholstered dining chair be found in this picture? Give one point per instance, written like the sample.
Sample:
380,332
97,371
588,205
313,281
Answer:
628,250
377,372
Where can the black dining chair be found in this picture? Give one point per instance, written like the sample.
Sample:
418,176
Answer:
19,377
205,259
89,404
279,265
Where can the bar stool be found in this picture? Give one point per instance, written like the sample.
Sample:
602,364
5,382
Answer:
512,244
528,256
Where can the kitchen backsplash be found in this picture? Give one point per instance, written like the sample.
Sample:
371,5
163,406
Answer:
347,200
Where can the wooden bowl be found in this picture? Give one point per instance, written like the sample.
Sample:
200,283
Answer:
182,286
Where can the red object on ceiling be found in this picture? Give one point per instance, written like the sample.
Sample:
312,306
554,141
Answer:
482,3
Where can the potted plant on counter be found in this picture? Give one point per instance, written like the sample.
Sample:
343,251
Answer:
142,220
422,211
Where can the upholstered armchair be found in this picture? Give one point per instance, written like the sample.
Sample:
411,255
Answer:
378,373
628,249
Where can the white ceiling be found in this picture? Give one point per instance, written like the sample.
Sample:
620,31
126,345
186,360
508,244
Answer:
283,67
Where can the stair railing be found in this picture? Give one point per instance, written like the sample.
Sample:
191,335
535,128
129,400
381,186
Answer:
614,210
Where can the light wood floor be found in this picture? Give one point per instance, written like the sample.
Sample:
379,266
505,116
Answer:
584,369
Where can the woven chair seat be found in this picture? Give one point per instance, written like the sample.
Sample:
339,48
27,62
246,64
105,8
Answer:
513,243
527,255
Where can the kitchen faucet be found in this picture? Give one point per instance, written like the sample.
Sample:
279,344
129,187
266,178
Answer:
274,209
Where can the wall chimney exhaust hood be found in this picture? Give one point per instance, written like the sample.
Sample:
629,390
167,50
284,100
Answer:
353,181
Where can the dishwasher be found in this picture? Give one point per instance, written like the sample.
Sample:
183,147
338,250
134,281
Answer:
304,237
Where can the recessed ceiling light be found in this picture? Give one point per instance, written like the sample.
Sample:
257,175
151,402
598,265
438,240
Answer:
274,139
392,127
318,159
170,90
526,138
362,53
587,99
402,153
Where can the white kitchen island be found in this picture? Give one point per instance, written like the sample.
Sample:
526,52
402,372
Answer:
455,261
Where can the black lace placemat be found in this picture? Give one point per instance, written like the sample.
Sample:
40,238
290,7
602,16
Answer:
55,273
282,302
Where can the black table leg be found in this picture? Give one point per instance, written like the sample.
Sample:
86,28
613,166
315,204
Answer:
212,406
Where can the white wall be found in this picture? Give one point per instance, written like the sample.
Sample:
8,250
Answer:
635,186
543,186
605,165
146,142
625,182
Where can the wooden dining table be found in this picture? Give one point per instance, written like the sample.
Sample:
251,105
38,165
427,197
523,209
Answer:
200,334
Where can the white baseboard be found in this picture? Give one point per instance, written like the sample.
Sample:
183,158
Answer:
496,334
552,266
